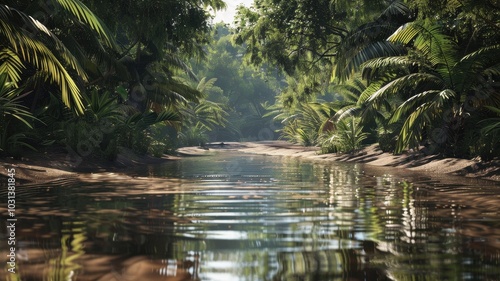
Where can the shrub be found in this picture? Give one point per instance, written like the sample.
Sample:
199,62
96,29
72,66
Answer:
347,136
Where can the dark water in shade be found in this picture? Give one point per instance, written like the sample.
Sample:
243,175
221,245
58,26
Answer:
245,217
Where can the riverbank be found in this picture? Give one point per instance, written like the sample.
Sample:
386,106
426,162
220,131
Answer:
371,155
39,167
43,167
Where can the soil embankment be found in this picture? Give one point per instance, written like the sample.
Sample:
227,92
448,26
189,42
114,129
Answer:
42,167
371,155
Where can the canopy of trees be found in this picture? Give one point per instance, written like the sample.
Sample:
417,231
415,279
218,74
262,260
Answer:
405,73
73,79
95,76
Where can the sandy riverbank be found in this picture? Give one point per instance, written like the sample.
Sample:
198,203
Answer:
42,167
39,167
371,155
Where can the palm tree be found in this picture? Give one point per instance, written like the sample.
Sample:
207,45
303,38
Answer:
31,52
202,117
438,89
368,41
305,122
154,84
425,74
12,115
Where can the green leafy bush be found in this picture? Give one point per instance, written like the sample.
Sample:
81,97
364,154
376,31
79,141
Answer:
347,136
15,119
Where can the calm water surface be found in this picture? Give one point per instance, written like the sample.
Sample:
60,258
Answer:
247,217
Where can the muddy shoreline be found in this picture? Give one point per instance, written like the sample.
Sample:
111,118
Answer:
415,161
48,166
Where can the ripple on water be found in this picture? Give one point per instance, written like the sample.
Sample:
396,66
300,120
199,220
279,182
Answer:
241,217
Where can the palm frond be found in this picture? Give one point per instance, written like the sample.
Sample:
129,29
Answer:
437,97
84,14
205,85
36,31
491,125
396,8
369,91
411,82
483,62
10,102
171,91
368,41
102,106
347,111
208,115
348,65
141,121
428,38
410,135
351,89
11,65
37,53
393,62
483,53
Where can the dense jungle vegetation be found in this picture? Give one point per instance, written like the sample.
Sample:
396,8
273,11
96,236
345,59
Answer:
92,77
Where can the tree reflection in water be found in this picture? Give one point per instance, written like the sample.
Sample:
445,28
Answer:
257,218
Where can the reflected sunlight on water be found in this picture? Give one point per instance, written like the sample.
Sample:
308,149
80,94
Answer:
245,217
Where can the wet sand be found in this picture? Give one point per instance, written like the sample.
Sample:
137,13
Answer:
43,167
371,155
37,167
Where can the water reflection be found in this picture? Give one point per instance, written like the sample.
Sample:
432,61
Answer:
233,217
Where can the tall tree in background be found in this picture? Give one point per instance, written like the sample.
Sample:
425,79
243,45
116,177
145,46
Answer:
244,89
157,38
61,46
423,61
310,41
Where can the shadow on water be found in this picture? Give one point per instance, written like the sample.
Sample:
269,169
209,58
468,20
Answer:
245,217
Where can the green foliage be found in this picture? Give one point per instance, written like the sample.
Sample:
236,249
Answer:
340,74
96,131
387,142
294,133
305,123
29,46
347,136
136,131
488,144
64,43
201,118
368,41
439,90
491,126
193,136
157,38
429,68
239,89
107,125
150,25
15,119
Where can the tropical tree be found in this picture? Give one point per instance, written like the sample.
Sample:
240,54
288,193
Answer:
299,35
439,90
13,115
309,41
348,136
429,67
31,53
241,88
303,124
201,118
157,38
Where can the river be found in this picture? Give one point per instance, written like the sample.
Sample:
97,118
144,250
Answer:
233,216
